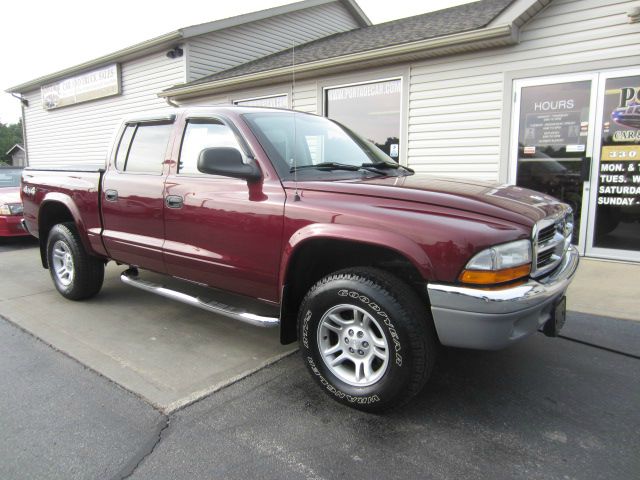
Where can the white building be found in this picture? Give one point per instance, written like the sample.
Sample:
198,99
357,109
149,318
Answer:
542,93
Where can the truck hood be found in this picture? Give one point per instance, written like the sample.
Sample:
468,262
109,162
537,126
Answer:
505,202
10,195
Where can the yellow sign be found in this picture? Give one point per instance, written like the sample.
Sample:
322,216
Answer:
622,153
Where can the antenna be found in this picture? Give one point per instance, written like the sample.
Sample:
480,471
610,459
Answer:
296,196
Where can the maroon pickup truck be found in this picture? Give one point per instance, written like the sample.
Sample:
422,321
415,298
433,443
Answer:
369,266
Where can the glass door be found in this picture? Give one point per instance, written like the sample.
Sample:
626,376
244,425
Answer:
614,210
552,140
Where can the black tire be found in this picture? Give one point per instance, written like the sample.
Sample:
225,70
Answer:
398,315
87,275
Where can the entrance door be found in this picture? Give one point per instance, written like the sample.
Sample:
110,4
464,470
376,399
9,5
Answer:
552,141
559,125
614,207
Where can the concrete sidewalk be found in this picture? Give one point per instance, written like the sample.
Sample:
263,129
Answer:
168,353
604,287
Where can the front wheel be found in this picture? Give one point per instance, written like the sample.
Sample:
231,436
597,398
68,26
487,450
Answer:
366,338
76,274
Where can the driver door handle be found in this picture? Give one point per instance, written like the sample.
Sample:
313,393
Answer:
111,195
173,201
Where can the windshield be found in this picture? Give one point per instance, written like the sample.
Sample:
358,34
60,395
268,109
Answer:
10,177
323,149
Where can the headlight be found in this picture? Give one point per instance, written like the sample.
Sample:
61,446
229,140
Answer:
11,209
499,264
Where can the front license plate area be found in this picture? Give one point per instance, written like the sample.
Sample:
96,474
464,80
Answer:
558,317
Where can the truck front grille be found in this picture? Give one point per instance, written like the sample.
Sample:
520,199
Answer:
551,240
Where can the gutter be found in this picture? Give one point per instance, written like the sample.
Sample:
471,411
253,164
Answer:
505,32
112,57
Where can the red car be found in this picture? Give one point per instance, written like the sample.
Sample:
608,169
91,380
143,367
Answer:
10,203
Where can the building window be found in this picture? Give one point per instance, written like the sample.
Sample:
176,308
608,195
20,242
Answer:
371,110
273,101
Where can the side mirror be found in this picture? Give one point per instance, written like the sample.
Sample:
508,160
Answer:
227,162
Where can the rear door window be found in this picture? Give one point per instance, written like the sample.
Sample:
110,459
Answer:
148,148
123,147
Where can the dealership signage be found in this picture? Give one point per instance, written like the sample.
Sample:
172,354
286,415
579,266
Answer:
99,83
619,178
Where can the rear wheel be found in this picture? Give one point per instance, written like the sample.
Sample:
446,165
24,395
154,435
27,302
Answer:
76,274
367,338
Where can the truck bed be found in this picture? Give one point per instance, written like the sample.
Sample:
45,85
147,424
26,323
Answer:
78,188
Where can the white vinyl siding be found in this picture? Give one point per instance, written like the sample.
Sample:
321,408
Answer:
221,50
456,103
305,97
82,134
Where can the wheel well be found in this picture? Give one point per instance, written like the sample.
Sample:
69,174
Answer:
51,214
318,258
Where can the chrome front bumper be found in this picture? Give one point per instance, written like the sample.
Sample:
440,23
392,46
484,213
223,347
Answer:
492,319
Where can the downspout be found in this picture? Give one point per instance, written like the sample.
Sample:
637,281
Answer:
24,136
171,102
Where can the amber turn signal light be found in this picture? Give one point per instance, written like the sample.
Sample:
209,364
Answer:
491,277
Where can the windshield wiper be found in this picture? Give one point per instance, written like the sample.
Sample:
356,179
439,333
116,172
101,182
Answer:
383,165
339,166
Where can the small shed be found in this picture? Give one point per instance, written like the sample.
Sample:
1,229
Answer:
18,155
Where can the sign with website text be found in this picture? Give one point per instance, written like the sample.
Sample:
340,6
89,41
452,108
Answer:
99,83
275,101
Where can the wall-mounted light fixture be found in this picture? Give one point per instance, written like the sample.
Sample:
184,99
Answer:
175,52
634,14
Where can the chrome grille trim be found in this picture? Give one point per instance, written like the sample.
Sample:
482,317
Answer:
551,238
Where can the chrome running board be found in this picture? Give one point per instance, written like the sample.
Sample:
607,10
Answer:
130,277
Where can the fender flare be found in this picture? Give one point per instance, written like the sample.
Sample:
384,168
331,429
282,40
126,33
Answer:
356,234
67,201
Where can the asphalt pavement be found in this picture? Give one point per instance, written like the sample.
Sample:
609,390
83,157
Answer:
544,409
59,420
564,408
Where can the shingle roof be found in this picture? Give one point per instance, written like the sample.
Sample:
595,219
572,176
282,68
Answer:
467,17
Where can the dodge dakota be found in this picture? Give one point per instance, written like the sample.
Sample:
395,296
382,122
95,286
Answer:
368,265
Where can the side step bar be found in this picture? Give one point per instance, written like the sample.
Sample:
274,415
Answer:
130,277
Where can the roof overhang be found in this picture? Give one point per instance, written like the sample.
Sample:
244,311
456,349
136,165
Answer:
500,35
169,40
150,46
